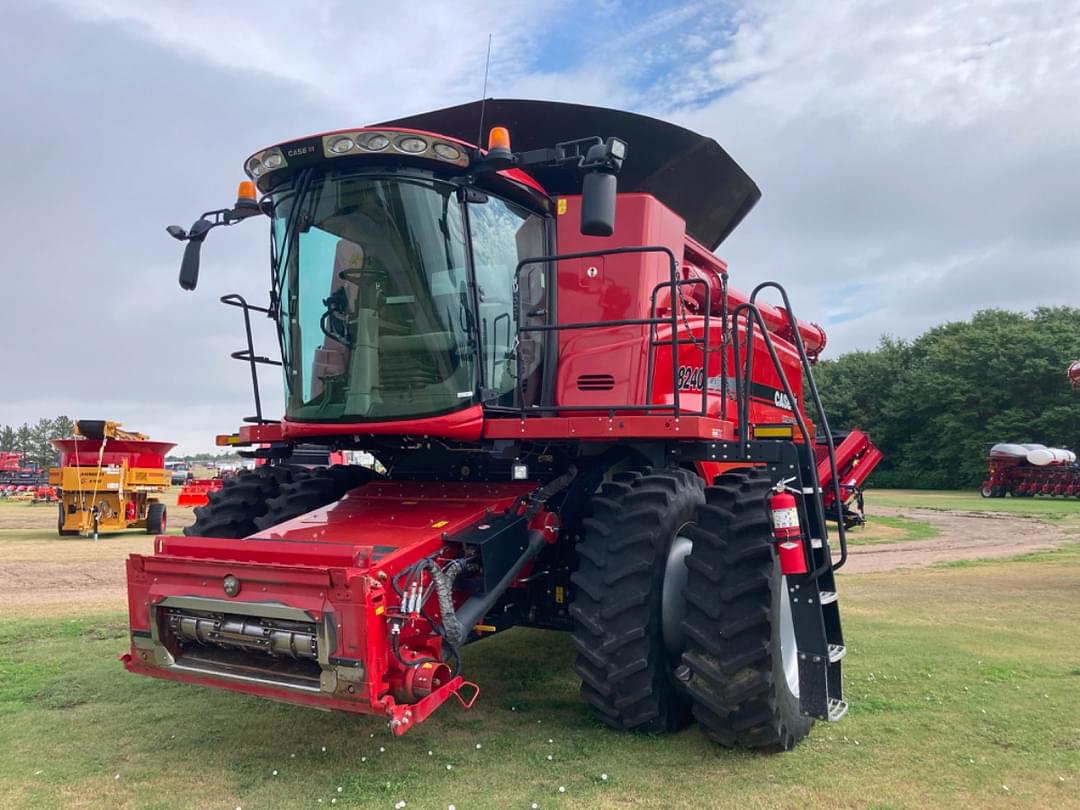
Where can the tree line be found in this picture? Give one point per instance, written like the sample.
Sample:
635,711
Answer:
934,405
34,442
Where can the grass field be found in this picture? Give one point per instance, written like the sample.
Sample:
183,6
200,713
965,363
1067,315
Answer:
963,682
880,529
1040,507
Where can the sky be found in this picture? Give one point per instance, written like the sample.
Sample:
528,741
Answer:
918,160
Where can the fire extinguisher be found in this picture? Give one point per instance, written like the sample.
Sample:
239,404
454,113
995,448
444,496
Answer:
790,544
130,511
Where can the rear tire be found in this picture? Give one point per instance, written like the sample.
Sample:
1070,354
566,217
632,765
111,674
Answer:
985,490
156,519
231,511
60,530
734,622
625,667
323,486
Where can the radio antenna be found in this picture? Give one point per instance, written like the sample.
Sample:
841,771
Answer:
483,95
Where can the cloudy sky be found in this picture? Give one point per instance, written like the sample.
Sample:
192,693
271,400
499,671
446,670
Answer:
919,159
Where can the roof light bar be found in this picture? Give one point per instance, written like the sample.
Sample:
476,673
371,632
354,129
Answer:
351,144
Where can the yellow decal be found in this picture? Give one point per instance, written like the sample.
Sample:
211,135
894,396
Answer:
380,610
426,666
560,207
560,594
438,524
485,628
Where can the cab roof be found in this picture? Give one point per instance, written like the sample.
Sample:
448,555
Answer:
689,173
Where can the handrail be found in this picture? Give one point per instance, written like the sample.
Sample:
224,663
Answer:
673,321
248,355
822,418
743,401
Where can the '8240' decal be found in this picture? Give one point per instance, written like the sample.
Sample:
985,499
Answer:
693,379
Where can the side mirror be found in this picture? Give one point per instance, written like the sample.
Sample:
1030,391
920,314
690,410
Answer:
246,206
598,204
189,267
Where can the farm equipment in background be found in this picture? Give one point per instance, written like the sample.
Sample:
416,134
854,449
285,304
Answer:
1074,373
17,477
44,493
108,479
855,458
1026,470
576,424
196,492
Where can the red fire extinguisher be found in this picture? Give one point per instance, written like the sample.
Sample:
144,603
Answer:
129,512
789,539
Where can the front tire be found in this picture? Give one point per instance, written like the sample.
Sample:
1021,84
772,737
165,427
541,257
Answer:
626,668
231,511
741,656
323,486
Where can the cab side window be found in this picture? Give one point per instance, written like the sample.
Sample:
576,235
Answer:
502,235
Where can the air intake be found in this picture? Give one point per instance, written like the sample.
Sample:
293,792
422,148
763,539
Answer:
595,382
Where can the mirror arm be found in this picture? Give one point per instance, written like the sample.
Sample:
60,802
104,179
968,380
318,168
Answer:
189,266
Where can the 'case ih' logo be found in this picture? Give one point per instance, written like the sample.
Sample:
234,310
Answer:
299,151
780,399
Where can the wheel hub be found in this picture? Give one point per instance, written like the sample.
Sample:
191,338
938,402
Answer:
789,657
673,597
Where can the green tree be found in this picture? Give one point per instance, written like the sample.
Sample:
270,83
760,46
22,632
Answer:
7,439
935,405
62,428
44,454
24,440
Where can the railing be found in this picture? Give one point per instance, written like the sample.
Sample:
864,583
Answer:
675,285
248,355
742,396
747,316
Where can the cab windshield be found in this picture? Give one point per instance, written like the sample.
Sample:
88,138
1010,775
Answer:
374,299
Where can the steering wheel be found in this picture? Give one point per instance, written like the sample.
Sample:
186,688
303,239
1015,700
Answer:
333,321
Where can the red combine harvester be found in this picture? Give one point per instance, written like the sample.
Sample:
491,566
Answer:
1026,470
578,426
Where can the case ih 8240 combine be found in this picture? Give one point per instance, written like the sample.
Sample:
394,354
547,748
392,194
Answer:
578,425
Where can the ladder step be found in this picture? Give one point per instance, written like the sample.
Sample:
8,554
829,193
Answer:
827,597
836,652
837,709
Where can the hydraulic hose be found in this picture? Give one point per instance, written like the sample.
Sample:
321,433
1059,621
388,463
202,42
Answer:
466,616
458,623
453,632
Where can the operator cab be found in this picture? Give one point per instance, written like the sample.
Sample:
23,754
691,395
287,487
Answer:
395,291
398,282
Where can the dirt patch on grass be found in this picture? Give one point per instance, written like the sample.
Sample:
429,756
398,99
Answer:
963,536
42,574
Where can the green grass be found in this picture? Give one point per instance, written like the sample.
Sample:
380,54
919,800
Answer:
965,501
880,529
962,681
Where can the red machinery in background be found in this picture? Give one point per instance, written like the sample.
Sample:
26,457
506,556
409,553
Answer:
17,477
1026,470
196,491
575,424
